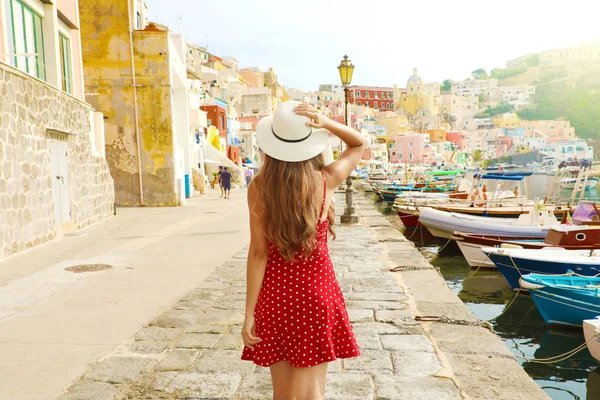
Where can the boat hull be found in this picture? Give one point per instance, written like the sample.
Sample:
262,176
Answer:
591,329
512,272
442,224
474,256
409,220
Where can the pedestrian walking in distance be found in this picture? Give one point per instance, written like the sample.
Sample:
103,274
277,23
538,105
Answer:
226,182
296,320
220,182
248,174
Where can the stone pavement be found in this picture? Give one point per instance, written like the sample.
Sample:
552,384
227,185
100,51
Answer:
193,349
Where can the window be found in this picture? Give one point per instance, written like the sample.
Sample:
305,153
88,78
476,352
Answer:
375,105
358,94
368,104
358,103
65,64
25,39
382,95
366,95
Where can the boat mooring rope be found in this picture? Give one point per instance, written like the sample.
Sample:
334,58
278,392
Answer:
560,357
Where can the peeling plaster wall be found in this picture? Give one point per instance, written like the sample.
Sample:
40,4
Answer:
106,49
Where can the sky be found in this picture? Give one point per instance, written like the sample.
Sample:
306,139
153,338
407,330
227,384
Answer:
304,41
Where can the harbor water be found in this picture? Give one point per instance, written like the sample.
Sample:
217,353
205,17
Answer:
520,325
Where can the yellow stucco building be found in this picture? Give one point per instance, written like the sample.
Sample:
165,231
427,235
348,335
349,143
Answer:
129,78
418,96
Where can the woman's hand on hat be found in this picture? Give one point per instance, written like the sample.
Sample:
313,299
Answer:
316,118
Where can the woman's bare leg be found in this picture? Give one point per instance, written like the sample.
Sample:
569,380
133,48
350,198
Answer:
281,375
309,383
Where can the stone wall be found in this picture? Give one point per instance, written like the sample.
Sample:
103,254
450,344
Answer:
31,114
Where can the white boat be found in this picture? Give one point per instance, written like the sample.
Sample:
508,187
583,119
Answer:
535,221
569,183
591,331
474,256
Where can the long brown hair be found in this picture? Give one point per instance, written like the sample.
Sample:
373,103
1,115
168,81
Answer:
287,205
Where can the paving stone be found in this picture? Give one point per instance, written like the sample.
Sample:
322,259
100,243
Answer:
377,296
406,343
91,390
426,388
156,333
363,304
360,315
230,342
177,360
203,328
398,316
177,318
230,305
392,305
203,294
215,316
198,340
256,387
382,288
379,328
222,360
370,360
415,363
147,347
220,386
349,387
117,369
193,305
368,341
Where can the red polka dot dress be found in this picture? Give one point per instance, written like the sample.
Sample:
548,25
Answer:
300,314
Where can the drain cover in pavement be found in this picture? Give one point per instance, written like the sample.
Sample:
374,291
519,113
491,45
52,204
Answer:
88,268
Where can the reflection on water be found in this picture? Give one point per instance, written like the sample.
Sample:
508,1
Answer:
520,326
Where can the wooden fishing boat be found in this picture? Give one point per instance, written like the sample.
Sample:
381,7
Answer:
566,236
566,299
514,263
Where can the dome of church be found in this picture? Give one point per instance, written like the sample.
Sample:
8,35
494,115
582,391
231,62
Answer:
415,79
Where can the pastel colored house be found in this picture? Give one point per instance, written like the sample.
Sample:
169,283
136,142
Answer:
142,90
457,138
413,149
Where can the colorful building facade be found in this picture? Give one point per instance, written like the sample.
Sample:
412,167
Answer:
381,98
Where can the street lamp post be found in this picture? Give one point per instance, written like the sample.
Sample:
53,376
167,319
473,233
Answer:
346,70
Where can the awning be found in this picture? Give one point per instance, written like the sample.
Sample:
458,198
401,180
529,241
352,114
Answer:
214,155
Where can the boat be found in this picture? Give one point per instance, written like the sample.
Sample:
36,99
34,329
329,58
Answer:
591,331
535,222
515,262
568,237
586,213
565,300
570,183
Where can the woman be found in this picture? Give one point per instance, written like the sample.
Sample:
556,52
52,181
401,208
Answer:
296,319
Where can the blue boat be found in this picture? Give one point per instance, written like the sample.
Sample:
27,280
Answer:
516,262
564,299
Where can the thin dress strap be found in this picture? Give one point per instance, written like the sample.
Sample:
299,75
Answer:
324,196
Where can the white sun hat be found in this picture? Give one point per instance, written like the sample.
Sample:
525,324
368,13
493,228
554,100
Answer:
286,137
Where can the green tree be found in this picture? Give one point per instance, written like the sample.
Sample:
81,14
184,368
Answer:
446,85
491,112
477,155
479,73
